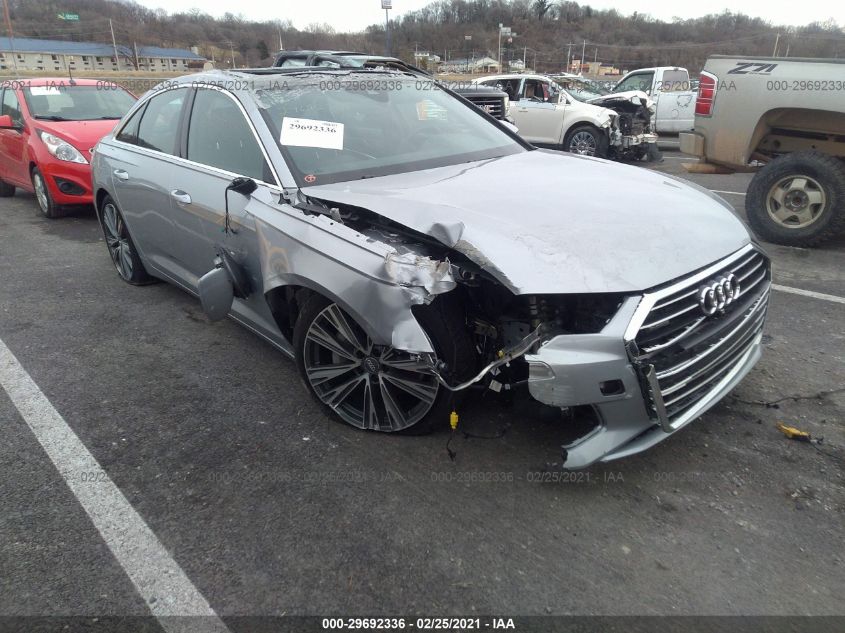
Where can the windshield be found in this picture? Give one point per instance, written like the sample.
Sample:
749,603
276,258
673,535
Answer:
59,102
334,128
581,90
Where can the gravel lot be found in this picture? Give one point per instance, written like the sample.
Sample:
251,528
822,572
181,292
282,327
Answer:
271,508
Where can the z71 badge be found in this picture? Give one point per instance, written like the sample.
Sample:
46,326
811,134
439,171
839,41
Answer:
752,68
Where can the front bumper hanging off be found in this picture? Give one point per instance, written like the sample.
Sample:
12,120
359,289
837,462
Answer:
573,370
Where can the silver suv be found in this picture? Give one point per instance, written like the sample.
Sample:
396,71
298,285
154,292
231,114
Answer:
403,246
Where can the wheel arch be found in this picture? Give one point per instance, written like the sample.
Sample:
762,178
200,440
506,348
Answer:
804,125
581,122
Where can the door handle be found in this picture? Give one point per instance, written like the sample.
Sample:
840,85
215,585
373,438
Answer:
522,109
121,174
180,196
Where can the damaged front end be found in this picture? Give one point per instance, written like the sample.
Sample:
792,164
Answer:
635,136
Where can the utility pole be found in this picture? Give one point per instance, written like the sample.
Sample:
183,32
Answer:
498,58
281,46
113,43
11,35
137,59
583,52
569,57
232,48
775,52
524,50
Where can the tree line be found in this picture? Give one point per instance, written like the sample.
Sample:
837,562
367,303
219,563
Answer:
547,33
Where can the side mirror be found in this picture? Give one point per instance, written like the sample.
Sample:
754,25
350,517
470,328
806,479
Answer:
216,293
241,185
6,123
510,126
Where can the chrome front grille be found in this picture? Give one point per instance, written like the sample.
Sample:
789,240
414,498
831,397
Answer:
684,354
494,106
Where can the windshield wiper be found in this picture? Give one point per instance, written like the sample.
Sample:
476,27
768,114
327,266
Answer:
50,117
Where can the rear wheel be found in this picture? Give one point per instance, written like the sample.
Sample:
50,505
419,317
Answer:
378,387
586,140
798,199
121,248
42,195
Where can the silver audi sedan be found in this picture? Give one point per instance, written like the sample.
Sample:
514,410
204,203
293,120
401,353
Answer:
403,246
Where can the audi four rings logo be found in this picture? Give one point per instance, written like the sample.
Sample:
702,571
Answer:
718,295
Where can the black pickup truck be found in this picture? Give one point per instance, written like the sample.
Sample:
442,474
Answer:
494,102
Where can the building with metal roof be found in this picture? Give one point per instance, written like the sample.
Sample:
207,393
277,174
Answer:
60,55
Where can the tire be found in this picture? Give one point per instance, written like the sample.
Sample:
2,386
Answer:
6,190
446,329
589,138
121,248
42,195
798,199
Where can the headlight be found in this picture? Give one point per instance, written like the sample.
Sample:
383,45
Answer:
507,103
61,149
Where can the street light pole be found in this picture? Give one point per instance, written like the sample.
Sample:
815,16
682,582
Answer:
387,5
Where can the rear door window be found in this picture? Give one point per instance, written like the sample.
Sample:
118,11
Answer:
159,128
129,132
674,81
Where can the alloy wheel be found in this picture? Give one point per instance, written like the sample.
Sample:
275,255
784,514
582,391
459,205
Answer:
583,143
370,386
795,201
41,192
117,240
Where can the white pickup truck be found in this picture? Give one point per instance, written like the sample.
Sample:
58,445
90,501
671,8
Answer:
670,90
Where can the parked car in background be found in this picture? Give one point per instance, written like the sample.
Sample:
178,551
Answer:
548,116
48,129
636,137
493,102
670,89
788,117
381,237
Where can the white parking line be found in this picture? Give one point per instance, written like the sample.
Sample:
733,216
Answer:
733,193
808,293
160,581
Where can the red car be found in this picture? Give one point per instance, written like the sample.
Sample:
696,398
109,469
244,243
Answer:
48,129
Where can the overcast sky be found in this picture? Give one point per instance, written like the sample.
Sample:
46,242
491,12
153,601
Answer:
355,15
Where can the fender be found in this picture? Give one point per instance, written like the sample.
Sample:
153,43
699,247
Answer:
371,280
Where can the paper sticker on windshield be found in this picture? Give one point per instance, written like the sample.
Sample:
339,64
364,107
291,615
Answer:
311,133
427,109
43,91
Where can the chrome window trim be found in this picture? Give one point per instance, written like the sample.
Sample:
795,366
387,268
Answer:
185,161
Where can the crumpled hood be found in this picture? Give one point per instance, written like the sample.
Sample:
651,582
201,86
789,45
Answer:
549,222
83,135
634,96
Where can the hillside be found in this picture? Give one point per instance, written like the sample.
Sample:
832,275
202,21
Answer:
545,32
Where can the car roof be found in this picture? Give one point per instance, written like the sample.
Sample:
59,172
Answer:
515,76
60,81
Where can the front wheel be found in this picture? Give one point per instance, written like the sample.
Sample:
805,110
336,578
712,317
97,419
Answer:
42,195
586,140
798,199
378,387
